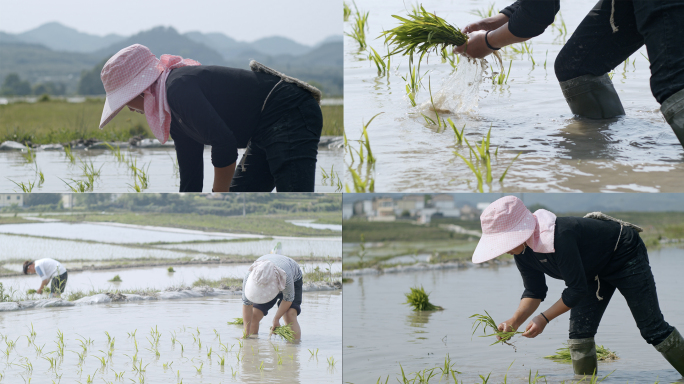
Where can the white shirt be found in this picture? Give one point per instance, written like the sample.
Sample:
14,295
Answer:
48,268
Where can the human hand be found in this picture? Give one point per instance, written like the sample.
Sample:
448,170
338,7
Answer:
486,24
475,47
276,324
535,327
40,291
507,326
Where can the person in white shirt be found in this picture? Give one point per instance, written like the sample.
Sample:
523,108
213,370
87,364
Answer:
48,269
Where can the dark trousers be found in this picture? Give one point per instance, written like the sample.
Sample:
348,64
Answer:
283,154
635,282
595,50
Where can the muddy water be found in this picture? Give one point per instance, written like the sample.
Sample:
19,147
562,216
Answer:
321,322
380,332
635,153
143,278
115,177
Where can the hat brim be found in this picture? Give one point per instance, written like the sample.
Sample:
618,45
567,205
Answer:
492,246
258,294
117,100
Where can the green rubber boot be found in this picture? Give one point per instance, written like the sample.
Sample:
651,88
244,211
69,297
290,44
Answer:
673,110
583,354
593,97
672,349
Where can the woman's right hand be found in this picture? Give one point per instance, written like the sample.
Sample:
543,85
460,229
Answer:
506,326
487,24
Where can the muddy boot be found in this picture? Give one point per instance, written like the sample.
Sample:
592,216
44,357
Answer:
673,110
583,354
592,97
672,349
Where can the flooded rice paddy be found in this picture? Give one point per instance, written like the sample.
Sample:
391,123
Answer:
149,277
380,332
173,344
528,115
159,164
107,241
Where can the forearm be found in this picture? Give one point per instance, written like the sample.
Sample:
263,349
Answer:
502,37
525,309
246,317
223,177
43,284
282,309
556,310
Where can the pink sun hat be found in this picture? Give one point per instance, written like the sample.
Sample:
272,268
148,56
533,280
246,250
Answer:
264,282
506,224
125,76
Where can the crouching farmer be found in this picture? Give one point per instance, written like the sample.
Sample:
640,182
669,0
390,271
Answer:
272,278
48,269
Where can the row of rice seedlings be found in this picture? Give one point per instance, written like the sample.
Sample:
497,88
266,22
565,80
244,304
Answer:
89,171
347,11
486,321
79,186
26,187
363,175
359,28
562,355
69,154
421,33
29,156
332,178
116,151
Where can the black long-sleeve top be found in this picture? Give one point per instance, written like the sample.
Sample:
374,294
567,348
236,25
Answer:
529,18
585,248
217,106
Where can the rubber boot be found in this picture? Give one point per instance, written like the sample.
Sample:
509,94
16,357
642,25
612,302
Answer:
673,110
672,349
593,97
583,354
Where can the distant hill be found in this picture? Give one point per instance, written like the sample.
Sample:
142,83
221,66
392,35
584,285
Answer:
322,64
166,40
37,64
59,37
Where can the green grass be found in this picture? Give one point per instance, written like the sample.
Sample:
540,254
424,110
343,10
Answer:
58,121
419,300
562,355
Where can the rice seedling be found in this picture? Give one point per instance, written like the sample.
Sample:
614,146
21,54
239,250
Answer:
199,369
115,279
102,360
140,369
375,57
222,359
39,350
380,378
362,183
347,11
448,367
421,33
132,334
418,299
261,367
209,352
116,151
529,50
459,135
69,154
119,375
25,187
502,78
486,321
313,353
645,57
29,156
562,355
284,331
331,361
237,356
485,12
236,321
89,172
80,186
170,270
414,82
167,365
359,27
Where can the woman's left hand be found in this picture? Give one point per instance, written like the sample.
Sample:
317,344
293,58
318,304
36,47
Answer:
535,327
475,47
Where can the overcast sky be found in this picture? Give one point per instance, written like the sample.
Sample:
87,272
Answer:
305,21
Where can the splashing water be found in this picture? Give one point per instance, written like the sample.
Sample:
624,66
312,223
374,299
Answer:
459,92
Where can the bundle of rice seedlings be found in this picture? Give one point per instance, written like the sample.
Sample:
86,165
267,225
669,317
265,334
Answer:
284,331
562,355
486,321
418,299
422,32
31,291
115,279
237,321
